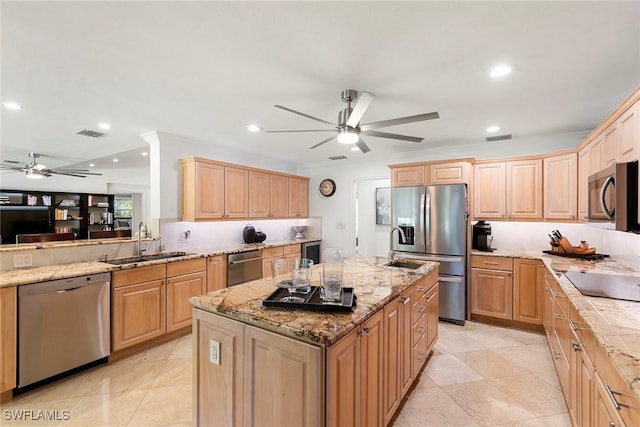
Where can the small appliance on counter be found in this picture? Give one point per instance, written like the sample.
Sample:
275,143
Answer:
260,237
249,234
482,237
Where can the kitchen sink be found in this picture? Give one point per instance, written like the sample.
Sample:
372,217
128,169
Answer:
149,257
403,264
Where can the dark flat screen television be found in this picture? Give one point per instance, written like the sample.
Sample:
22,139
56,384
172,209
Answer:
24,220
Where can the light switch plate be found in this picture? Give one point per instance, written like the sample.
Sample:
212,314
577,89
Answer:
214,352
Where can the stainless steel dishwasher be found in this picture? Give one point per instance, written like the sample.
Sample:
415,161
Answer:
62,325
244,267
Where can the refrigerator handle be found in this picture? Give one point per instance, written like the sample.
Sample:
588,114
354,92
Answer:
426,208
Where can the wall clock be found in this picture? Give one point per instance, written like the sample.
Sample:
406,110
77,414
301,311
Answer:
327,187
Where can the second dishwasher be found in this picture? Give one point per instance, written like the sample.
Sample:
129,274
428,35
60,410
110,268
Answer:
244,267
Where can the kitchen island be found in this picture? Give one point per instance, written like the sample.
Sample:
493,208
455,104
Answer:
267,366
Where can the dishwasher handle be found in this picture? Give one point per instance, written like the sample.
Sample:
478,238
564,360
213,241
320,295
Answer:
242,261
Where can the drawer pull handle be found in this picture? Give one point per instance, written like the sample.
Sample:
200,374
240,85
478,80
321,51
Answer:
557,355
558,295
611,393
404,300
431,297
421,309
491,263
421,330
421,289
576,346
558,316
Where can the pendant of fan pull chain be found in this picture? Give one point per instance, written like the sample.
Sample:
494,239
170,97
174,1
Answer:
348,130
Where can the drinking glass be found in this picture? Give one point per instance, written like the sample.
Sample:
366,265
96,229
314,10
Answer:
302,274
282,279
332,264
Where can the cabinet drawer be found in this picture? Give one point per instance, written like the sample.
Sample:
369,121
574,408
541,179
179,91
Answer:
418,330
492,262
419,309
272,252
139,275
583,331
558,293
419,355
186,267
291,249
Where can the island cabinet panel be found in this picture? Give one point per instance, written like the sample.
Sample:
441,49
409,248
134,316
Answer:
432,317
292,392
218,387
560,188
179,290
8,338
355,376
216,273
236,193
528,291
392,358
407,176
489,191
138,313
406,343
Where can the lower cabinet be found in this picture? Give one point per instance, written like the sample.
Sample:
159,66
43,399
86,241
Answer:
247,376
8,337
216,273
185,279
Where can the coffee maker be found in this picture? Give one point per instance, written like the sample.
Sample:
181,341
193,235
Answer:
482,237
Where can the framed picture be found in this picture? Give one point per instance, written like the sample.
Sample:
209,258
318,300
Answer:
383,205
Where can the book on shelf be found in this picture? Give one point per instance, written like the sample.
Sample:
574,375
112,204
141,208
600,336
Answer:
67,202
103,204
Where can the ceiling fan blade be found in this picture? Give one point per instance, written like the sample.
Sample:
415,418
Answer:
15,168
303,130
305,115
321,142
362,146
48,173
364,100
72,171
12,161
393,136
399,121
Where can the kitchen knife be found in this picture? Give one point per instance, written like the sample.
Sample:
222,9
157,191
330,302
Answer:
559,234
553,239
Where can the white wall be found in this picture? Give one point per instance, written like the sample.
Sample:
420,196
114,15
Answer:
373,239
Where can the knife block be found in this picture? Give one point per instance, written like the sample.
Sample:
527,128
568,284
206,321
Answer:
565,246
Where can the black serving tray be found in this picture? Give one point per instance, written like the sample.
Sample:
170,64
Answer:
312,300
588,257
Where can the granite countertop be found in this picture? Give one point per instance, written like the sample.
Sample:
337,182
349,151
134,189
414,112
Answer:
374,285
615,323
24,276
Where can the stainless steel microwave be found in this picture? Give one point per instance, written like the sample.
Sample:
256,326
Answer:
613,197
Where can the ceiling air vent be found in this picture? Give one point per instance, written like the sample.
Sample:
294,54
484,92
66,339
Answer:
90,133
498,138
337,157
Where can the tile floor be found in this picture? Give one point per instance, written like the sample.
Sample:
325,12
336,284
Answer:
479,375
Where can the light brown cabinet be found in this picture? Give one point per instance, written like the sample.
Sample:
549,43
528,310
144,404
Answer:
560,186
449,173
287,252
8,338
138,313
528,291
391,387
236,193
407,176
584,170
298,198
489,191
185,279
492,287
609,145
629,134
268,195
524,189
202,190
216,272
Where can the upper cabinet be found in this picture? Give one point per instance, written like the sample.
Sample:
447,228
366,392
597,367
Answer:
214,190
561,186
629,134
407,176
429,173
584,170
489,190
449,173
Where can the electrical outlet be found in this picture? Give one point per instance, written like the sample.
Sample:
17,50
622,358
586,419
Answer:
185,236
22,260
340,225
214,352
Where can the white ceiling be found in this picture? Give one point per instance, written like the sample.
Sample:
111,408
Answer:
205,70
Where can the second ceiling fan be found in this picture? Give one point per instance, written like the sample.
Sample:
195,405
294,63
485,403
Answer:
349,129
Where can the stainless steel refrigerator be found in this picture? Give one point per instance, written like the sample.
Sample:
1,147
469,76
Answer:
434,220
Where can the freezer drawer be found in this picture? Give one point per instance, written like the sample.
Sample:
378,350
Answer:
453,298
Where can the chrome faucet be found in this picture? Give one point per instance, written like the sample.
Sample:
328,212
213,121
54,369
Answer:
403,239
140,226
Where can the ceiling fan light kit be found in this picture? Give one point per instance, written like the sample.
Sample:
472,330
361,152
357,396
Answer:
349,130
35,170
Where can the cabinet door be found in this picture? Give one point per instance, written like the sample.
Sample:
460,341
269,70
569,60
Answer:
8,338
343,382
218,386
406,343
406,176
236,189
450,173
202,191
524,189
586,385
138,313
179,290
489,190
292,393
583,181
604,413
596,155
528,291
371,356
609,145
392,359
560,187
259,194
492,293
216,273
279,194
298,198
629,138
432,316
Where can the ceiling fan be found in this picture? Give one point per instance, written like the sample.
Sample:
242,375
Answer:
349,129
37,170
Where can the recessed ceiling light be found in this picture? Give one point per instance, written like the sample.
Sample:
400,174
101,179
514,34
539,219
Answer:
493,128
115,160
144,153
355,149
253,128
500,70
91,165
12,106
105,126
